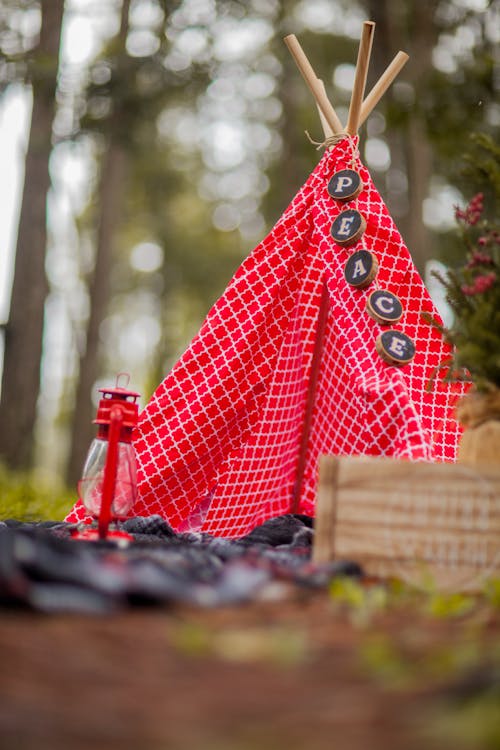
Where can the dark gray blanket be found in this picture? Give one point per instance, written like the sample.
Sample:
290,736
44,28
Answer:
43,569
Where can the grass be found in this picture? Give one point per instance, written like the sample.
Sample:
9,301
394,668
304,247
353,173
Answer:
28,497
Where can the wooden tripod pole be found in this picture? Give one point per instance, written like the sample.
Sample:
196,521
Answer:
328,132
364,52
317,89
324,307
382,85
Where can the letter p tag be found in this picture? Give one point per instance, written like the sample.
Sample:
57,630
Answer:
345,185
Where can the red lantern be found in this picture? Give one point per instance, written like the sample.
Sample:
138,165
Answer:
108,487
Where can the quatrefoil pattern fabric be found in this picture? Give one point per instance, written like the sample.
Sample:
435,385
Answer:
218,444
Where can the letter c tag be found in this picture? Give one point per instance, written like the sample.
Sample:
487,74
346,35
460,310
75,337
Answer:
384,307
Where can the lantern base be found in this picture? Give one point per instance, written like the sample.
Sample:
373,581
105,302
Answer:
90,533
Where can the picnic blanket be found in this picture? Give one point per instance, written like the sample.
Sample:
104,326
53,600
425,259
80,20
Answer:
43,569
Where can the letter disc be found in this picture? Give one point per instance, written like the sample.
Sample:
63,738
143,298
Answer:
361,268
395,347
384,307
345,185
348,227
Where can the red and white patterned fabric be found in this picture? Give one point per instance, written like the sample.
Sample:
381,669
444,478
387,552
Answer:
220,438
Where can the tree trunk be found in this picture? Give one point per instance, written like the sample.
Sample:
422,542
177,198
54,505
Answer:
410,27
111,189
24,329
419,171
111,192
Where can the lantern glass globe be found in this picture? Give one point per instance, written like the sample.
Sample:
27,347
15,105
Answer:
90,486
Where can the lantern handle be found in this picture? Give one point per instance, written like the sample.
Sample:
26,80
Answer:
121,375
110,469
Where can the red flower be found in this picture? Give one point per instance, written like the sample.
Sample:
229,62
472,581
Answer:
481,284
472,212
478,258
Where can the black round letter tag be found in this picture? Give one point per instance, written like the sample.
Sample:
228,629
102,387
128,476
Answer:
348,227
361,268
345,185
395,347
384,307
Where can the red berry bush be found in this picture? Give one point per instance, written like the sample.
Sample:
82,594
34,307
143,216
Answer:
473,293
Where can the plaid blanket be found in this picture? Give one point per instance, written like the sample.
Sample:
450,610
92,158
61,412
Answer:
43,569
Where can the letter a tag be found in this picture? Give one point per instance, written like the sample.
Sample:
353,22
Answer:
361,268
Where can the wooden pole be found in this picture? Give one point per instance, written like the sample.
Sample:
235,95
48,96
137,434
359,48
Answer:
362,63
382,85
323,310
312,81
328,132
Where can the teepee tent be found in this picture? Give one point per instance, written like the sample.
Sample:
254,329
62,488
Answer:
317,346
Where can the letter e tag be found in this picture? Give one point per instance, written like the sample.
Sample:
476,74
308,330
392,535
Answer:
395,347
348,227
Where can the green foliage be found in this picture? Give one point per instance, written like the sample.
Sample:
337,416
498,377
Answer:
18,37
473,288
482,170
470,723
191,639
362,603
281,646
492,592
381,657
449,605
27,498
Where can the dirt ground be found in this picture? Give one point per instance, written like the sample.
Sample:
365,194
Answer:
296,674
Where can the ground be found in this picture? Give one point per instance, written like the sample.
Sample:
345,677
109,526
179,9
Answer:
317,670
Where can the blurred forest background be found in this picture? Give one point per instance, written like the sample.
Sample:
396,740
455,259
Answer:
163,139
